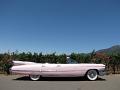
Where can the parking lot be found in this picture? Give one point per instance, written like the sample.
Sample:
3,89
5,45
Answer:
16,82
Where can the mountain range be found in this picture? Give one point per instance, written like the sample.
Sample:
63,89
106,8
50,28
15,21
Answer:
112,50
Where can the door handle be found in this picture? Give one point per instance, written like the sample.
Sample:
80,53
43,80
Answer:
58,65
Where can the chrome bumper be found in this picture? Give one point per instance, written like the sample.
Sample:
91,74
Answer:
102,72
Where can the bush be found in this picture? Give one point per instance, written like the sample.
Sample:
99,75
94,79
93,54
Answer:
112,62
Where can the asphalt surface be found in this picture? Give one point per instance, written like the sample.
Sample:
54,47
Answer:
15,82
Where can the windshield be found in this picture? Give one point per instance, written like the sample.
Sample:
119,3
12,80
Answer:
71,61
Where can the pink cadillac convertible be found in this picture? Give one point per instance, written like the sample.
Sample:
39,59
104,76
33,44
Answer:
72,69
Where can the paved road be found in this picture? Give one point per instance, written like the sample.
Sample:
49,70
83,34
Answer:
111,82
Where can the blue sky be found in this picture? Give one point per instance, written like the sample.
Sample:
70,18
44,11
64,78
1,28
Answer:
61,26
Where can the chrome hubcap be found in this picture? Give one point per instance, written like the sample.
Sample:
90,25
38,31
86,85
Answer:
92,75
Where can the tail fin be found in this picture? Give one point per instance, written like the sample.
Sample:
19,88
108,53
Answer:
17,63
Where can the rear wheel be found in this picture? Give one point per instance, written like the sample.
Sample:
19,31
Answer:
34,77
92,75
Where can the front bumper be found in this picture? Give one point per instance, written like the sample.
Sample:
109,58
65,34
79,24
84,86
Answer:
102,72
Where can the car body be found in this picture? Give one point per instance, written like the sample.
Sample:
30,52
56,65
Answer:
36,70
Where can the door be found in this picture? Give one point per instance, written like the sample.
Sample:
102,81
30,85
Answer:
49,70
69,70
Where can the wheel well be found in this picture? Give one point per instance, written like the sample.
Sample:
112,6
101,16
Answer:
92,69
33,74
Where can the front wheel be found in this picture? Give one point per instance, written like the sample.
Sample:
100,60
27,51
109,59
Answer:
34,77
92,75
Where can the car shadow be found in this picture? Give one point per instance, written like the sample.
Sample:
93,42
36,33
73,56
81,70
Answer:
26,78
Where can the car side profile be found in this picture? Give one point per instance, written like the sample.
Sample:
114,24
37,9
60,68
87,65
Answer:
71,69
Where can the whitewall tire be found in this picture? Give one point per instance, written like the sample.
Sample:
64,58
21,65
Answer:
34,77
92,75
